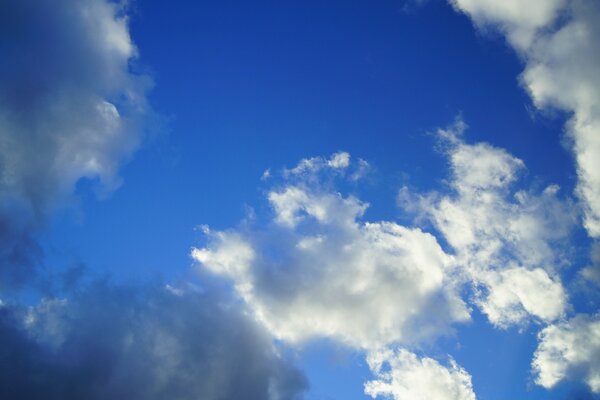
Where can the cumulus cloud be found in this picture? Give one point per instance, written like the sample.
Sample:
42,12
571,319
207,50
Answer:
569,350
401,375
316,269
140,342
70,108
509,243
559,41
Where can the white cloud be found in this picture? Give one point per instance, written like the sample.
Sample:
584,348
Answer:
559,42
507,242
401,375
569,350
339,160
515,293
518,20
317,270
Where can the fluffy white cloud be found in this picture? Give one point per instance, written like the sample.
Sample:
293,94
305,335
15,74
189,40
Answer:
569,350
507,242
559,42
317,270
401,375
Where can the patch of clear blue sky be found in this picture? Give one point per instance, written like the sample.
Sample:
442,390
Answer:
246,86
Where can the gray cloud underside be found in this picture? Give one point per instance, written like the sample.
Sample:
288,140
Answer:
140,342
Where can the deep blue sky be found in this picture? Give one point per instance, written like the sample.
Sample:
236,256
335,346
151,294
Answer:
245,86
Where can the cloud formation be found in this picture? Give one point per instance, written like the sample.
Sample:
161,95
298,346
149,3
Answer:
315,269
569,350
401,375
509,243
70,108
559,42
140,342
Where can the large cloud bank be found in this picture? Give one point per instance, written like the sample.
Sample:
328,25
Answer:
140,342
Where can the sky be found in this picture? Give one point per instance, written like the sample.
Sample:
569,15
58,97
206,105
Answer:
300,200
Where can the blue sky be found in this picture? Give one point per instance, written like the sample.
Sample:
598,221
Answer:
281,200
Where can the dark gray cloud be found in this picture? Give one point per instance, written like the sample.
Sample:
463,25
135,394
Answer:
70,108
140,342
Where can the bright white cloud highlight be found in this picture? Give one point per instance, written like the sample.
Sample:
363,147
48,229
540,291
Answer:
401,375
569,350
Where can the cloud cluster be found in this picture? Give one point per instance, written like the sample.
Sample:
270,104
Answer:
401,375
70,108
315,269
559,42
569,350
140,342
507,242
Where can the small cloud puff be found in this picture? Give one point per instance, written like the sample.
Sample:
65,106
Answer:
401,375
569,350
